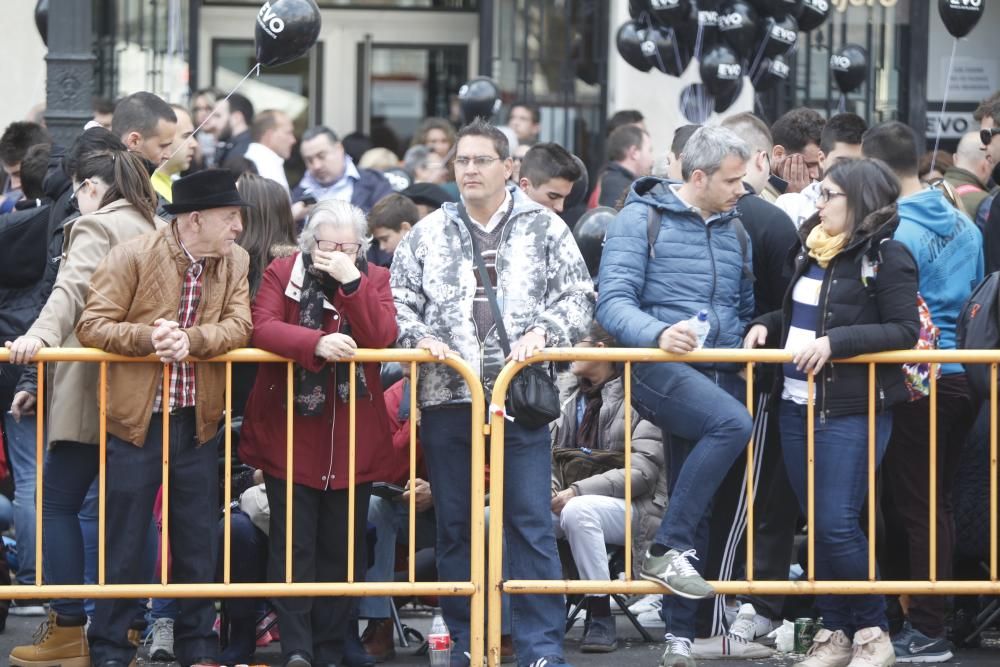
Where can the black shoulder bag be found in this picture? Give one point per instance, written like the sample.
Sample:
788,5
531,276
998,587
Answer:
532,398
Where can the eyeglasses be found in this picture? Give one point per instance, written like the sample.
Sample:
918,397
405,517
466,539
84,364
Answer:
481,161
73,202
986,136
825,195
332,246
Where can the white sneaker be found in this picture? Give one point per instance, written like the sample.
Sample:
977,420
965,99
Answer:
749,625
162,636
872,648
650,619
677,653
829,649
728,646
647,603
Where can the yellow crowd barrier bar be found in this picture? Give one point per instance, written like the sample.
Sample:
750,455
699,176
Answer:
165,483
39,467
289,467
628,468
352,435
810,476
102,476
496,586
750,472
932,483
227,532
412,500
871,472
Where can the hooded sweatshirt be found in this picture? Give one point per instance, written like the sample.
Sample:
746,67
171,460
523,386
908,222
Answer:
948,249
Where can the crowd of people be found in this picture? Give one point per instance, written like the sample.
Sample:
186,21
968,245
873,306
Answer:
823,237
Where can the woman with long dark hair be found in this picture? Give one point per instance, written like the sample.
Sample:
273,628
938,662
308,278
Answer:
268,227
854,291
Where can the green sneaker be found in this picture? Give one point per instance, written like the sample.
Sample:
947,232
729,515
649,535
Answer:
674,571
677,653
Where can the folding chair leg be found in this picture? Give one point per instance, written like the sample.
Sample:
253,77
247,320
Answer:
398,625
623,605
574,612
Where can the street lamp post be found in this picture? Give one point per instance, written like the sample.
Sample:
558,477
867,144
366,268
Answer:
69,70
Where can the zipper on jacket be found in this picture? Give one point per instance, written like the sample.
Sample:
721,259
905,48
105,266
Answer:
711,294
824,373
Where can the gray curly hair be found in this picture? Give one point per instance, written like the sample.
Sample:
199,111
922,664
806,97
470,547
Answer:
335,213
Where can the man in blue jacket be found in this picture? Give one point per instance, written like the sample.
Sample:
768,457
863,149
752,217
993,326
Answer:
656,275
948,249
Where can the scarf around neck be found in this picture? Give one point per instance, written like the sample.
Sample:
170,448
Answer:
588,433
823,247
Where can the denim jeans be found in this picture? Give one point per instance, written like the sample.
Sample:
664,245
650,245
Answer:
841,485
134,476
391,520
21,451
537,621
706,427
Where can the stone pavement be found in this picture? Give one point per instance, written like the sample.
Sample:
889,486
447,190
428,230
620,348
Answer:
632,651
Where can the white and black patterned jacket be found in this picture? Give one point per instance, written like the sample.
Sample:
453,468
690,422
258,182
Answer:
542,281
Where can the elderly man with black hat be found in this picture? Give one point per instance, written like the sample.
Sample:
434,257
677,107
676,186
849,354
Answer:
178,292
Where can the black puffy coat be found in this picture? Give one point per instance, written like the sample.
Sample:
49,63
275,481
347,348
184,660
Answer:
860,316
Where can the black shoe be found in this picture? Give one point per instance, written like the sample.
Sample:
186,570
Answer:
298,659
355,654
242,642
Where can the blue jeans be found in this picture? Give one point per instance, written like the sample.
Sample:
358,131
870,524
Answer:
21,451
706,427
841,485
537,621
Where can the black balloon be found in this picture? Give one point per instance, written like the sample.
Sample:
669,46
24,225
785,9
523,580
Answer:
664,52
814,14
779,9
961,16
636,8
581,186
781,36
42,20
398,178
850,67
629,40
479,98
723,102
721,72
286,30
589,234
738,26
670,12
770,73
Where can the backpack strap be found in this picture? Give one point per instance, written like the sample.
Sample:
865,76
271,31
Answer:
652,228
741,234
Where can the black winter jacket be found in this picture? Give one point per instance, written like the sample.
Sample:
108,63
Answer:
773,236
859,318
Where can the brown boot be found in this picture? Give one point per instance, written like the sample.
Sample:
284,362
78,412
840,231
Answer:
377,639
507,654
54,644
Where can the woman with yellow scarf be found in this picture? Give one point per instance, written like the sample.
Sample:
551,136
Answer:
854,291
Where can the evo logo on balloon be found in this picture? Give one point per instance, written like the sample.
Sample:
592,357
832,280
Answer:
730,72
784,35
840,63
269,21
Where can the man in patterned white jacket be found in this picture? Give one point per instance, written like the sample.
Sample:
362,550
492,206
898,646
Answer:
546,297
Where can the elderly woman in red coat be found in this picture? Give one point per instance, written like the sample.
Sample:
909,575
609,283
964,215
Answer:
317,307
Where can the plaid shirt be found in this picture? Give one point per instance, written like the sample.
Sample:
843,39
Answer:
182,389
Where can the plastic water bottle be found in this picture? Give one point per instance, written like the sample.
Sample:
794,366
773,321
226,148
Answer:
700,326
439,642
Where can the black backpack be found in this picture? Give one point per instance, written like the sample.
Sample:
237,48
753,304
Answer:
978,328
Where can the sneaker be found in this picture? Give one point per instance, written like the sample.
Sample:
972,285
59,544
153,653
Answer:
548,661
749,625
911,645
829,649
54,644
27,608
674,571
677,653
162,640
872,648
728,646
601,636
650,619
647,603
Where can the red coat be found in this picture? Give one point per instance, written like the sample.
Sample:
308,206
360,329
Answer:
321,442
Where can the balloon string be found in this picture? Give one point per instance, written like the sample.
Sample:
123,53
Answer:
254,69
677,52
760,52
842,105
697,41
944,102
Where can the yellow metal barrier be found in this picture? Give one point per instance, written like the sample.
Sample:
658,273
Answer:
496,586
472,588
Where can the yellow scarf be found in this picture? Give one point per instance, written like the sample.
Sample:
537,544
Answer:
823,247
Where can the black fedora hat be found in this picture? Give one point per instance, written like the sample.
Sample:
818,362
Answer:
202,190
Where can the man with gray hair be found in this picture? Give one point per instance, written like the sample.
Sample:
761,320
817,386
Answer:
677,255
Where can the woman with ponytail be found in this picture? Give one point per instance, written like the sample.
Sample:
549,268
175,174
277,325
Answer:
854,291
116,200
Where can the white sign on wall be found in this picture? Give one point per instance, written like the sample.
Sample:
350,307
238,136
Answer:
972,79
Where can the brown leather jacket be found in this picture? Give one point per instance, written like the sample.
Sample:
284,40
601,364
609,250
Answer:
140,282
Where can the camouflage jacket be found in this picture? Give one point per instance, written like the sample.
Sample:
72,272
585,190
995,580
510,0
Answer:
542,281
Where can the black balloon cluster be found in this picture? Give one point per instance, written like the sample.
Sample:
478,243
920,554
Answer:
730,39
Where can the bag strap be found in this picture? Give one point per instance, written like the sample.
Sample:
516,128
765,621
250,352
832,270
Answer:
484,276
652,228
744,237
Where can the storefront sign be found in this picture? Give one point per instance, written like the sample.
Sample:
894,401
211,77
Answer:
843,5
972,79
953,123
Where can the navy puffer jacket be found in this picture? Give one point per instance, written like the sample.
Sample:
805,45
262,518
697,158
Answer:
694,266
